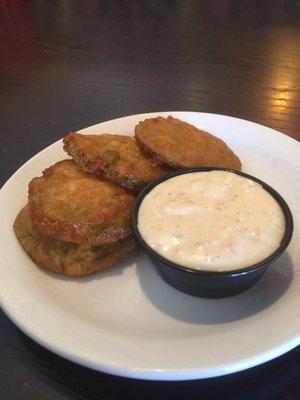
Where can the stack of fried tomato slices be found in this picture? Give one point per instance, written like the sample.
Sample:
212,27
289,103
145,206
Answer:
77,219
74,223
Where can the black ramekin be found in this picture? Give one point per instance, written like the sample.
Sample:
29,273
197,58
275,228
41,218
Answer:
205,283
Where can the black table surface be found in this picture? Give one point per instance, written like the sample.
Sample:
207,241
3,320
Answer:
67,64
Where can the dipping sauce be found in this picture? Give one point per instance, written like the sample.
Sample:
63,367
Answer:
212,221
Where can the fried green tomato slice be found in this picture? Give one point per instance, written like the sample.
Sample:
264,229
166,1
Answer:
182,145
70,205
68,258
116,157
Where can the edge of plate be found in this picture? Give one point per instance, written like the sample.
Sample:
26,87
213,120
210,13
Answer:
160,374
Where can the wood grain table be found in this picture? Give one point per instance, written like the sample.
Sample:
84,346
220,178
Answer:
66,64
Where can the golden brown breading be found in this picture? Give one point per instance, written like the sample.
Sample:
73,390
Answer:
180,144
71,205
116,157
68,258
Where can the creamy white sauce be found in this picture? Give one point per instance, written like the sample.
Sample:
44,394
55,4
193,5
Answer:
214,220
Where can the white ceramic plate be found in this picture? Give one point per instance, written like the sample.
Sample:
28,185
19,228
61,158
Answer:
129,322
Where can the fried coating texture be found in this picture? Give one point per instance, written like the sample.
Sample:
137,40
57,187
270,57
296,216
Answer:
182,145
116,157
68,258
70,205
